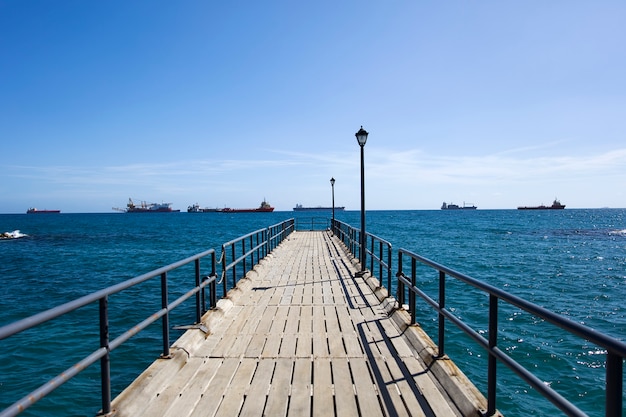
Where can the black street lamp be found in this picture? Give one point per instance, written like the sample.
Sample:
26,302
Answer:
361,137
332,186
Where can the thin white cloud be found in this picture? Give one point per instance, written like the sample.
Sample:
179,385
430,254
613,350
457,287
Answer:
380,163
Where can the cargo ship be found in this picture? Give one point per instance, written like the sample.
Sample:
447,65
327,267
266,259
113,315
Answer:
145,207
195,208
33,210
556,205
299,207
451,206
263,208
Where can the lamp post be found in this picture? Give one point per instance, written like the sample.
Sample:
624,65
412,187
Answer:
361,137
332,186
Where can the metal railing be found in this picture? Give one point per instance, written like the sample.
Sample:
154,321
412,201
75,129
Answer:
313,223
106,346
245,251
616,350
241,254
278,232
378,250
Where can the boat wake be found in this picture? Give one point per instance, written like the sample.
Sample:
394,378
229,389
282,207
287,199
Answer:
16,234
618,232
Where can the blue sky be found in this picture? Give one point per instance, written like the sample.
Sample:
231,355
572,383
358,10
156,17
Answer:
493,103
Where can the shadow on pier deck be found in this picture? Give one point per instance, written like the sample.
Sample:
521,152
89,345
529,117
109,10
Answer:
302,335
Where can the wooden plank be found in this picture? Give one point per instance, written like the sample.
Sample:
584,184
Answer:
223,346
240,345
405,386
327,293
239,316
365,389
234,395
193,392
319,319
350,337
293,320
288,346
276,296
332,322
429,389
272,346
306,319
287,295
320,345
300,403
323,399
335,340
318,295
266,320
304,348
345,398
214,392
278,324
259,389
174,388
388,384
278,396
256,345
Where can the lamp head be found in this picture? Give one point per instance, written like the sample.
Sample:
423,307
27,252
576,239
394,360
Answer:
332,181
361,136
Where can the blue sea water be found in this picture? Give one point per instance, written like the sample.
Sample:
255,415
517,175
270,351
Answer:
572,262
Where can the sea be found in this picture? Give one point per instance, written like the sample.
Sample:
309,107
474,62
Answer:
571,261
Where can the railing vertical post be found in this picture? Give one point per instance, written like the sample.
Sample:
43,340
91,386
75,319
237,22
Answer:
389,269
105,361
372,255
256,235
213,284
166,316
492,363
233,252
614,378
412,292
243,251
199,294
380,263
442,320
400,287
224,277
351,241
254,241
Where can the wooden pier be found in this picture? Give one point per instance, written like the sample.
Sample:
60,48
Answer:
303,335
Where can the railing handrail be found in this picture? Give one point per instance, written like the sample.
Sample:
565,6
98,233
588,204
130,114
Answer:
616,349
106,346
52,313
571,326
274,233
261,239
315,222
350,236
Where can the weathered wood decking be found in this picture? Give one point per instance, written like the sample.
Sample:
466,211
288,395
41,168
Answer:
301,335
